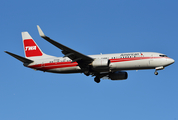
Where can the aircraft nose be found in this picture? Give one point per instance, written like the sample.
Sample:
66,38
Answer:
171,61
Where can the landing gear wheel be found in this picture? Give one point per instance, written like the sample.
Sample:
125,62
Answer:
97,80
87,73
156,73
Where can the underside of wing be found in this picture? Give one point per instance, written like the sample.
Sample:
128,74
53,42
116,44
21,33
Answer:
68,52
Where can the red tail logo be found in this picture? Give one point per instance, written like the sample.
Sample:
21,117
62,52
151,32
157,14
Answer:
31,49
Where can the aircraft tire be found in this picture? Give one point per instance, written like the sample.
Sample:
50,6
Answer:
156,73
97,80
87,73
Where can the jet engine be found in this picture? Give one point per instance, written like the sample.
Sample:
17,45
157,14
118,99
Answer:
99,63
118,75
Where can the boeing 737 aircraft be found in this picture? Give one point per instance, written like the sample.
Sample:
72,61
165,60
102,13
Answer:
111,66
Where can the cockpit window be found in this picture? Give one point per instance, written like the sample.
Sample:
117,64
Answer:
163,55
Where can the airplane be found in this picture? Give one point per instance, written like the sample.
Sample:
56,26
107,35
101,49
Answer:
110,66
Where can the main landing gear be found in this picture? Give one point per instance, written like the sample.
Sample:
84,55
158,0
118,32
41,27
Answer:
87,73
97,79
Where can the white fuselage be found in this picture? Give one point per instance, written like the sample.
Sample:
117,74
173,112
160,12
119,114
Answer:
118,62
112,66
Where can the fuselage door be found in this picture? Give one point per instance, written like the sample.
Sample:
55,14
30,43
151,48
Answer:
151,60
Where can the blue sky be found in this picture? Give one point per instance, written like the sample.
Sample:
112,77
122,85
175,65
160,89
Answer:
90,27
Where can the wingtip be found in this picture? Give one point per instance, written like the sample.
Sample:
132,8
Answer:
40,31
6,52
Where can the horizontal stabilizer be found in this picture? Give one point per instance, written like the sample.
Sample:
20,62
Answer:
22,59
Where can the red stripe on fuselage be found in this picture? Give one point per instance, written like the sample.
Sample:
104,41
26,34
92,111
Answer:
129,59
54,65
48,66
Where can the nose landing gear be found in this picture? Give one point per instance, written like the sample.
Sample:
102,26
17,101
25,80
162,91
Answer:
158,68
156,73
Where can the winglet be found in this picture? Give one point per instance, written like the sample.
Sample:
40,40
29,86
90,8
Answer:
40,31
68,52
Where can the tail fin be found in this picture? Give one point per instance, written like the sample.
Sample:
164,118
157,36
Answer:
30,47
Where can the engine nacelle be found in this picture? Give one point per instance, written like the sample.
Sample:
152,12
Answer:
98,63
118,75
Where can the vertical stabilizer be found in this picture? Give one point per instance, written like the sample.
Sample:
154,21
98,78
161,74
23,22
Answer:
30,47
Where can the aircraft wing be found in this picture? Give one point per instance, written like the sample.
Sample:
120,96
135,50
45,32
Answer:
68,52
